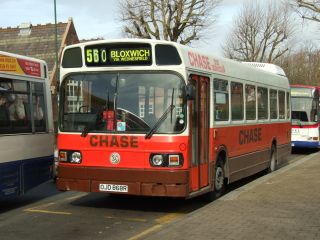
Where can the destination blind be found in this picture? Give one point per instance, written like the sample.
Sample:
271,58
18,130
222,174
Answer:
110,55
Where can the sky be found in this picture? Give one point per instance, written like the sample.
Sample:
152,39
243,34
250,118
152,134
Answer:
98,18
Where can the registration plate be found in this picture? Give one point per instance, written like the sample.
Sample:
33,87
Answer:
113,188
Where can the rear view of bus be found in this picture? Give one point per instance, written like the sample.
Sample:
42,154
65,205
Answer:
26,128
305,116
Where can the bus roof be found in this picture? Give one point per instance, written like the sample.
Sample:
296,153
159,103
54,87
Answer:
198,61
303,86
22,65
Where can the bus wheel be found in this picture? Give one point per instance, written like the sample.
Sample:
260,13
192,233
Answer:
219,183
219,179
273,160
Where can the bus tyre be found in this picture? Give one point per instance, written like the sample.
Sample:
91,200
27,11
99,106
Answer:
273,159
219,183
219,179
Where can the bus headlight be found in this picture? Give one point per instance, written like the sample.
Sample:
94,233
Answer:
157,160
76,157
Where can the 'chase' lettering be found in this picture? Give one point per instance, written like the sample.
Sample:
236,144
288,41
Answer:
114,141
250,136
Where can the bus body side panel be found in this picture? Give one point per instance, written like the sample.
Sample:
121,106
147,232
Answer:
10,178
249,146
36,171
133,168
18,177
26,161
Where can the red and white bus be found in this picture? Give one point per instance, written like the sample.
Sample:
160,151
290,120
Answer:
305,116
155,118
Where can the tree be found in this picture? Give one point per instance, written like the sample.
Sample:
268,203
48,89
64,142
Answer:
308,9
180,21
260,33
303,66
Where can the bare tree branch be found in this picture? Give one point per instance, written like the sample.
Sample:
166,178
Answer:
303,66
308,9
260,32
175,20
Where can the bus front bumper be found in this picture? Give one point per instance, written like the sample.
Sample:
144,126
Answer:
305,144
166,183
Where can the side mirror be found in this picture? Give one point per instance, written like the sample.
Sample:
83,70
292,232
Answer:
190,92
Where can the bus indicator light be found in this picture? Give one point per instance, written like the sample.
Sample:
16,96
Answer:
174,160
63,156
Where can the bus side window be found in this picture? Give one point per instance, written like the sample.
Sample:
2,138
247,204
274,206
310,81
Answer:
38,107
282,102
236,101
221,100
251,102
262,103
273,104
288,106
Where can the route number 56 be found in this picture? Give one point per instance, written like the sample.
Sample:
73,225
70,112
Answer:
96,56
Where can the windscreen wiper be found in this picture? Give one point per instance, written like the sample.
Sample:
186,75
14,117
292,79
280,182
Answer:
162,118
159,122
86,130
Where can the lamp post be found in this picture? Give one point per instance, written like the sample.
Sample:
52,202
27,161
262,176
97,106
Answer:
56,44
56,92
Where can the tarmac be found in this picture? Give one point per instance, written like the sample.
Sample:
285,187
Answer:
284,204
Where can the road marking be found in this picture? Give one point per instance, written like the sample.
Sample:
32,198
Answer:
146,232
161,221
38,210
128,219
168,218
46,211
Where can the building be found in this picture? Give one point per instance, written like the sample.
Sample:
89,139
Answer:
38,41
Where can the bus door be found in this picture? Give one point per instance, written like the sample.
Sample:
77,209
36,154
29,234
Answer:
199,133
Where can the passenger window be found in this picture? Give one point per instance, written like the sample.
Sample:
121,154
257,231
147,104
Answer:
288,106
236,101
262,103
38,107
221,100
250,102
282,107
15,114
273,104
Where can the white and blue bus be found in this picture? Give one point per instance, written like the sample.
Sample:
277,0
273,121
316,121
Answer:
26,126
305,116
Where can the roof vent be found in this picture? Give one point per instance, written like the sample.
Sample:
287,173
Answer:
25,29
267,67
